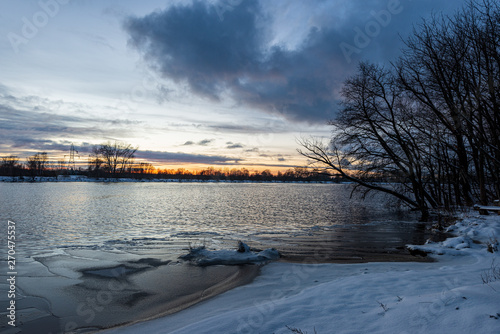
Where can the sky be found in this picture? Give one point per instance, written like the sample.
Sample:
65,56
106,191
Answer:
223,83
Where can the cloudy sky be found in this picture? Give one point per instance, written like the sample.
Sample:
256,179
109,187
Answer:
224,83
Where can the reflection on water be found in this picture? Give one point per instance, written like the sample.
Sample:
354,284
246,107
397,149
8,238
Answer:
142,215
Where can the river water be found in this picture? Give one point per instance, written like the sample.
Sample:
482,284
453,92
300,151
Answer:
118,215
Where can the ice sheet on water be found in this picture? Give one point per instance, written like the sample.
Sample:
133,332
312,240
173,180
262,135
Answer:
70,266
113,272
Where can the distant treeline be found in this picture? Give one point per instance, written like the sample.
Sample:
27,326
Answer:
117,160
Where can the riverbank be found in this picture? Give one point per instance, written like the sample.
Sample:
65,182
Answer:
83,178
93,255
459,293
87,289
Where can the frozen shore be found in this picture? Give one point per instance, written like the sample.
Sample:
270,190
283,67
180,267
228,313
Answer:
83,178
460,293
84,290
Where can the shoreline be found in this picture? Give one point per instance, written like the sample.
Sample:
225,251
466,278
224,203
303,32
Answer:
245,275
377,297
74,287
83,178
296,271
148,288
242,281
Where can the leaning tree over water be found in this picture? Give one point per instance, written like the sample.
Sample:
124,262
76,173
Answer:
430,122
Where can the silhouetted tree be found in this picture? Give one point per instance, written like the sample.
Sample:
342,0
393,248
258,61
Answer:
451,68
10,165
431,123
114,158
95,162
144,168
37,163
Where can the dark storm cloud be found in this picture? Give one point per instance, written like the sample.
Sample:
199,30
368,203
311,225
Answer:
179,157
213,55
217,53
191,42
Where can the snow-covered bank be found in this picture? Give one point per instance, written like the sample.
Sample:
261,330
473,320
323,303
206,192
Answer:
447,296
83,178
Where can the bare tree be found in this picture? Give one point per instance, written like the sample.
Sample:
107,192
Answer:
95,161
145,168
451,67
10,165
61,165
37,163
372,141
431,123
115,158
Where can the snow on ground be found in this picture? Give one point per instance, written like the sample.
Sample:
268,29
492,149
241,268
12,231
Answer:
83,178
447,296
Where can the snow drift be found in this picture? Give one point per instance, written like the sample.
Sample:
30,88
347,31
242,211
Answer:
243,255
